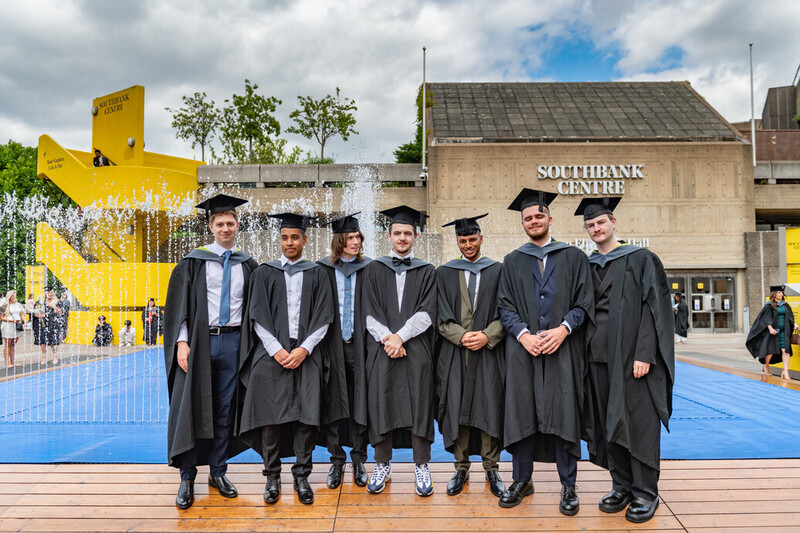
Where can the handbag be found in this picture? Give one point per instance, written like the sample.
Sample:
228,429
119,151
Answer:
795,338
20,327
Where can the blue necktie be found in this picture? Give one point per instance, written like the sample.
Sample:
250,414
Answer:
225,296
347,319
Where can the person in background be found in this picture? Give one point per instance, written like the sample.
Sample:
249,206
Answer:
102,332
13,322
65,305
30,302
681,318
99,159
771,334
127,335
52,326
152,323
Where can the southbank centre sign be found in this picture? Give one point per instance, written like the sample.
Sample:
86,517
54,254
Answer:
590,179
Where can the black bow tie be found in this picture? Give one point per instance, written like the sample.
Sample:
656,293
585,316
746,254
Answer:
396,261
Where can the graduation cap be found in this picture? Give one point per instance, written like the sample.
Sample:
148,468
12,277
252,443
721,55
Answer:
219,203
776,288
466,226
529,197
293,220
594,207
345,224
403,214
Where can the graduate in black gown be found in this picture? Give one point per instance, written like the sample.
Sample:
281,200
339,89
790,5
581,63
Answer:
471,361
546,302
631,363
770,336
400,305
681,312
283,370
345,346
206,296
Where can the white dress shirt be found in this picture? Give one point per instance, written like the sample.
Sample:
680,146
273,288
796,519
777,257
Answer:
214,292
417,324
340,279
294,293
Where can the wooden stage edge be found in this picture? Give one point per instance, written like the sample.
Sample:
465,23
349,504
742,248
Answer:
696,496
727,495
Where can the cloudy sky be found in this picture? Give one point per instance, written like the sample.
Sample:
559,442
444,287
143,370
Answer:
56,56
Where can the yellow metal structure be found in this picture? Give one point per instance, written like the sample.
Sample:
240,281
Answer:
137,200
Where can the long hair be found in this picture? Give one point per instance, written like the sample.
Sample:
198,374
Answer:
772,299
338,243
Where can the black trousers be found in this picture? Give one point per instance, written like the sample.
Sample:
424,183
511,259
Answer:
627,472
522,460
304,441
358,433
420,448
224,369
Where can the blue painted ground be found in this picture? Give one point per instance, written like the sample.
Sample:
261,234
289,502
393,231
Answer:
115,410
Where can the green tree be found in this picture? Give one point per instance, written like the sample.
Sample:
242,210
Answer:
247,123
197,121
324,119
411,152
20,188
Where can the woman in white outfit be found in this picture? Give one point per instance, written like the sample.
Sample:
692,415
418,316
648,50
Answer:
14,314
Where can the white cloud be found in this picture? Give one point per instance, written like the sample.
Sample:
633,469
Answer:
55,57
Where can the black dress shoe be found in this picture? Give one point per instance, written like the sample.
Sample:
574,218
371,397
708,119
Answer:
515,493
272,491
223,485
360,477
641,510
569,501
334,476
185,497
303,489
615,501
456,484
496,484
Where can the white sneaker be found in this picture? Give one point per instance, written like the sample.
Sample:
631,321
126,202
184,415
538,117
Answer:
380,475
423,478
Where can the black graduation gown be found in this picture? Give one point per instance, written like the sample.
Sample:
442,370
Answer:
760,343
272,394
334,394
546,395
639,285
191,413
682,319
473,399
400,392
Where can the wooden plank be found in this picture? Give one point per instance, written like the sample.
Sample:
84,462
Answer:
198,510
164,500
218,524
755,520
760,506
724,495
562,523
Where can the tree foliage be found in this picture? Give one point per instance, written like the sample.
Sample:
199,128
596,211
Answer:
20,183
324,119
248,125
411,152
197,121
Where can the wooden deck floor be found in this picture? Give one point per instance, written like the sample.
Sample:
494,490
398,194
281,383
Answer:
752,495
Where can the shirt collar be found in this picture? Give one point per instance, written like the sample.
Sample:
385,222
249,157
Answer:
410,254
465,259
219,250
285,260
343,260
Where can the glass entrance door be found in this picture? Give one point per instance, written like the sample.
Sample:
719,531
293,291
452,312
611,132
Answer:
710,300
